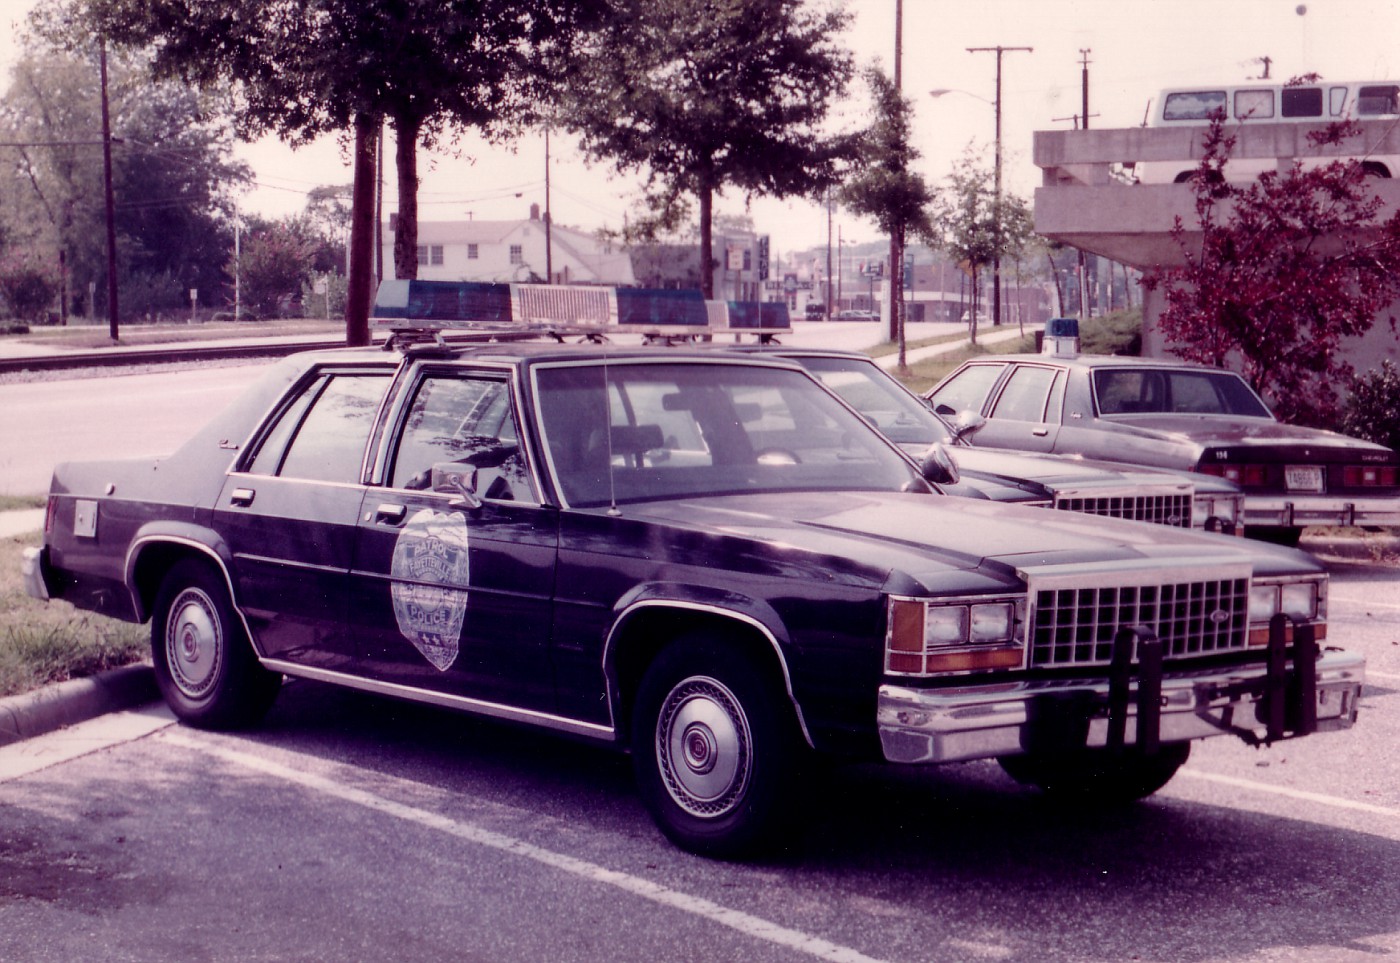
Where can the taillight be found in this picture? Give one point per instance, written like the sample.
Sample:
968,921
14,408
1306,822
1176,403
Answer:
1239,474
1368,476
50,512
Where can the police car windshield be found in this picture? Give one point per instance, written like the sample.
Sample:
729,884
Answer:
642,431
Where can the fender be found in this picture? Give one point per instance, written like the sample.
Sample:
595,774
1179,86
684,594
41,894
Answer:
754,613
201,540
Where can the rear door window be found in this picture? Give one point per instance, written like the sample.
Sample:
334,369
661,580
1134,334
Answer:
321,435
967,389
1027,394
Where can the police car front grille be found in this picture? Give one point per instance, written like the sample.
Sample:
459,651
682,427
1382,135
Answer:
1075,626
1172,509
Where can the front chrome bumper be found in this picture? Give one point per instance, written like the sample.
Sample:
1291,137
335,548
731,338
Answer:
31,569
1296,511
989,720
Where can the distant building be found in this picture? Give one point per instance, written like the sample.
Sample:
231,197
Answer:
513,252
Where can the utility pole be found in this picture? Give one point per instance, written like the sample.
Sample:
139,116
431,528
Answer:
828,254
112,313
996,197
896,284
548,236
1084,82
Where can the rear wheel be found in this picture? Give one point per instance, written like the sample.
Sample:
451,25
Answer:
1099,775
204,665
716,749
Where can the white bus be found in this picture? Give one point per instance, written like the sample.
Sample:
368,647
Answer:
1318,103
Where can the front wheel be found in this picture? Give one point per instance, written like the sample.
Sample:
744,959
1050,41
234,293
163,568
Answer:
1099,775
204,665
716,749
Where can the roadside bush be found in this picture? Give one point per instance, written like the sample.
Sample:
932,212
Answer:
27,287
1118,333
1372,408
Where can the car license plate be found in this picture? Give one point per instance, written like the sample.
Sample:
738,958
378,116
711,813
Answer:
1303,478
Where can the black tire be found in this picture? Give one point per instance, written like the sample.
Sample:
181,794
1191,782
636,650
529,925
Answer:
1275,534
716,750
1098,775
204,665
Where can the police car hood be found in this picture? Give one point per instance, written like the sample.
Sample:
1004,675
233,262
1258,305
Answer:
922,537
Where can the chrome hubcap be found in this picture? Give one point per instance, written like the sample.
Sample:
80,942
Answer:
194,643
704,747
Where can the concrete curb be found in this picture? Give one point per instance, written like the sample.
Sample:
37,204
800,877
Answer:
1367,547
77,700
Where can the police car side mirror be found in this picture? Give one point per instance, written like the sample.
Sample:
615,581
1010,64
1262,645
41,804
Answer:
453,478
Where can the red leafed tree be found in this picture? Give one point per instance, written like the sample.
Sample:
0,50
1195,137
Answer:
1278,272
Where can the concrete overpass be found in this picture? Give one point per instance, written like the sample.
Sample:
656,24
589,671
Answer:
1089,201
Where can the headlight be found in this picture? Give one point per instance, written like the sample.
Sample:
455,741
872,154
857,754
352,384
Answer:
1304,600
931,636
1218,512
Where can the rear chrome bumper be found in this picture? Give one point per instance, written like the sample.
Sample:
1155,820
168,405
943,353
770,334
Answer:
31,568
989,720
1296,511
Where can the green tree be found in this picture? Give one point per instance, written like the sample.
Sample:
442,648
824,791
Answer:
304,68
274,266
704,96
965,224
1278,271
27,286
171,168
886,187
967,227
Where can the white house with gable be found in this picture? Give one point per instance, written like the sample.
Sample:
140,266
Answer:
513,252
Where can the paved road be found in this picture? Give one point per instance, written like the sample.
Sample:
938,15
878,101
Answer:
49,421
353,828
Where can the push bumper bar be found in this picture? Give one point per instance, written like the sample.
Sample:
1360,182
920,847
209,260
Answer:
1137,703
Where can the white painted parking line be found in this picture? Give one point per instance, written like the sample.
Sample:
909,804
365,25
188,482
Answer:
1300,794
1387,676
744,923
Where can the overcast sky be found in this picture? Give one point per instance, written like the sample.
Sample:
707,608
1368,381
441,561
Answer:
1136,48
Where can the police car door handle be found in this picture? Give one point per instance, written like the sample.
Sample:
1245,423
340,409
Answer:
241,497
391,514
1040,432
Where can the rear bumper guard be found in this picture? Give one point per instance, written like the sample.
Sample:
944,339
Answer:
1296,511
1136,704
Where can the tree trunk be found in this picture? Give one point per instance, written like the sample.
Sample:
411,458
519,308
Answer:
707,270
406,162
359,282
976,306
